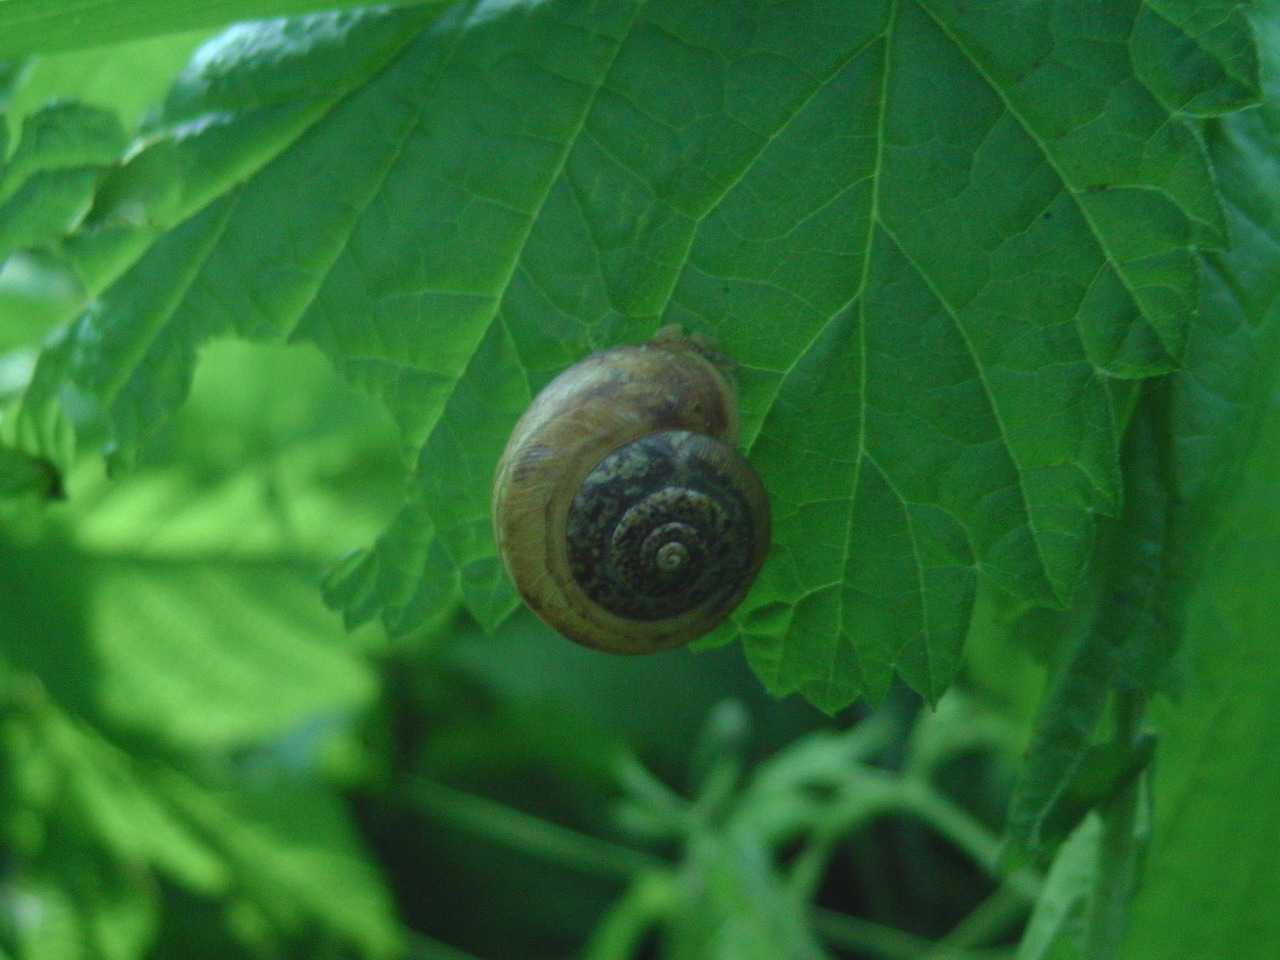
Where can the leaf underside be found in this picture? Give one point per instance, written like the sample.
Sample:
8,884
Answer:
941,240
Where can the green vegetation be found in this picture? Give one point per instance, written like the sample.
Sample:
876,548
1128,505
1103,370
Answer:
1000,283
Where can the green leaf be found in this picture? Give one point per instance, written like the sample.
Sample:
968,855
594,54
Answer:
1119,635
1197,56
1059,924
933,235
36,26
42,429
48,184
66,773
731,903
63,135
129,78
298,865
23,475
183,602
38,293
1213,842
77,907
11,74
174,686
106,819
1220,404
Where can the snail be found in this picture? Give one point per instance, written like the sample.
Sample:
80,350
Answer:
623,514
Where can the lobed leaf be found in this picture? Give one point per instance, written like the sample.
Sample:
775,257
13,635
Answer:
181,604
1205,572
937,237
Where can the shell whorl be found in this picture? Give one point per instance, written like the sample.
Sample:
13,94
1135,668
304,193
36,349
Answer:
660,527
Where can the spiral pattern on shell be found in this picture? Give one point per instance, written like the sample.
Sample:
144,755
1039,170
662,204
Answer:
623,514
659,527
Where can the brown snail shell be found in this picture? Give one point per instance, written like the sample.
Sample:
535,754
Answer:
623,514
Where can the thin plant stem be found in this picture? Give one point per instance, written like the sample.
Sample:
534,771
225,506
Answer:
643,786
887,943
811,862
865,936
966,832
422,947
646,903
527,833
987,922
1120,851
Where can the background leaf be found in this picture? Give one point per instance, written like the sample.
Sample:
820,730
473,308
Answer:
48,184
38,26
1212,843
1118,636
166,569
111,827
1058,927
172,690
128,78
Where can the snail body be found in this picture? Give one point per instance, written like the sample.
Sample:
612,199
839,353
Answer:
623,514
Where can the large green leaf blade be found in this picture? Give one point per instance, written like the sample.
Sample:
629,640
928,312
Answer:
468,204
1058,925
1213,842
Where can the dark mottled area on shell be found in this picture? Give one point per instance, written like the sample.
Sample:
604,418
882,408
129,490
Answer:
653,492
662,408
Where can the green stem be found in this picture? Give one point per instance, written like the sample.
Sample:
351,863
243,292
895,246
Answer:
527,833
878,793
966,832
619,934
889,943
1120,850
986,923
864,936
646,789
422,947
811,863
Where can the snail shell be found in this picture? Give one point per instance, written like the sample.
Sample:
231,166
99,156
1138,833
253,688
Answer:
623,514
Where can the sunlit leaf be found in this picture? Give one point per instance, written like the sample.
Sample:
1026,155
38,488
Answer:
48,184
36,26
